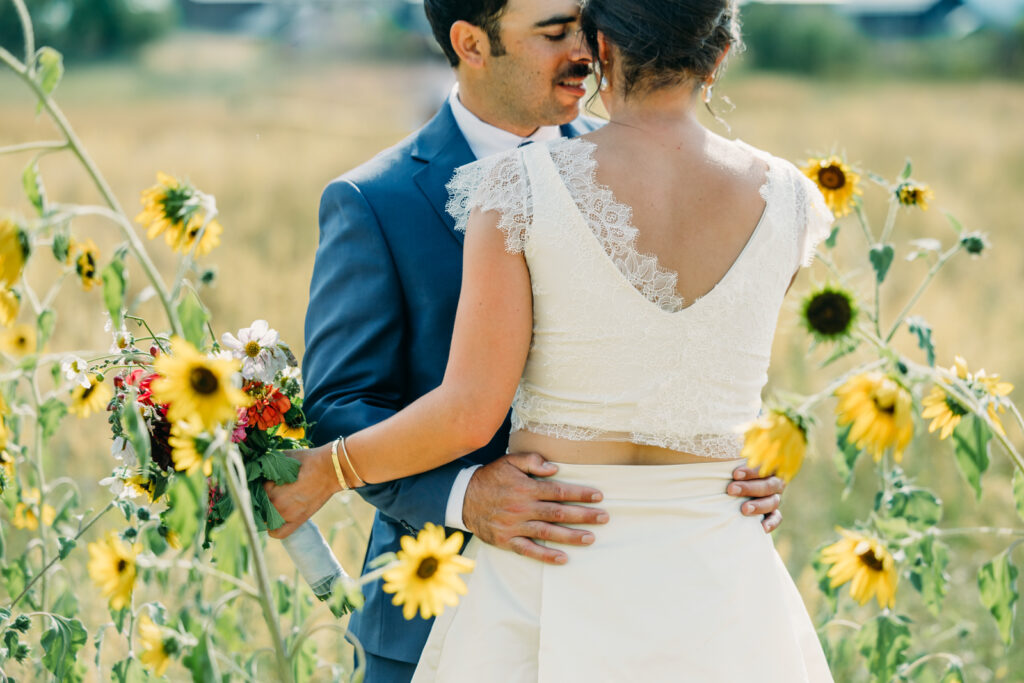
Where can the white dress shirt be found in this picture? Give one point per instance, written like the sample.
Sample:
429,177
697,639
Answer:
484,140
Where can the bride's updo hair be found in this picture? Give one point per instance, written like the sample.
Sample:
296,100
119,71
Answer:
662,43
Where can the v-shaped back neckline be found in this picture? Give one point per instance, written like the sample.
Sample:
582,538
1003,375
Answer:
608,199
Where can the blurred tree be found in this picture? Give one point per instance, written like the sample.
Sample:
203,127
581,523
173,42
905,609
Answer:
88,28
809,40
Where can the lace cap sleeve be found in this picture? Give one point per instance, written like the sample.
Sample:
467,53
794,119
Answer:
497,183
818,219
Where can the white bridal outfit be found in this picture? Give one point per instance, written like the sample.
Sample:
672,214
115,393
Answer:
678,586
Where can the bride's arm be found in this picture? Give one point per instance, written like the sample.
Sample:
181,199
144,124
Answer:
490,342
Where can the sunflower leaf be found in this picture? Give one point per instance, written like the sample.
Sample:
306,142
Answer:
61,643
927,559
193,317
907,169
821,569
957,225
1018,492
33,184
830,241
138,433
845,458
113,277
997,582
184,507
883,641
46,322
919,326
279,468
954,674
50,67
50,415
881,258
971,445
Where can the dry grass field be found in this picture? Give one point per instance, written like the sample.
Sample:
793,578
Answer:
265,137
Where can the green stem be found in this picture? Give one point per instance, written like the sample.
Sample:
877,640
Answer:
41,482
863,221
35,578
890,221
240,496
951,658
968,531
26,27
202,568
141,321
46,145
920,290
135,244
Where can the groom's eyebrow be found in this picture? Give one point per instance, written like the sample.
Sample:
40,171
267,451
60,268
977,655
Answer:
556,20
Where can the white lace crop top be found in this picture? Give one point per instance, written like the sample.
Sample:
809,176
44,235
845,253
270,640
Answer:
615,355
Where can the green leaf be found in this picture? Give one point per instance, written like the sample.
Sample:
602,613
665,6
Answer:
50,67
61,643
954,674
957,225
264,512
279,468
33,184
66,546
927,559
907,168
830,241
46,322
923,330
921,508
971,443
881,256
824,582
883,641
845,458
229,551
50,415
61,244
1018,491
113,277
997,582
193,319
185,509
282,595
136,430
129,671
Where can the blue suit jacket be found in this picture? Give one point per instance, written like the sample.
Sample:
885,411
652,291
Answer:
378,329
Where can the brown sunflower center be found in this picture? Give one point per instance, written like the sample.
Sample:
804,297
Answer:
428,567
870,560
203,381
122,564
832,177
252,349
955,407
87,391
829,313
21,341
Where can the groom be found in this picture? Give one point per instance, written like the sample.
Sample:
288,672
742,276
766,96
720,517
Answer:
384,292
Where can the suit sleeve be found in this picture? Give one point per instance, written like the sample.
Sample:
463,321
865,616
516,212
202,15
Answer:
354,363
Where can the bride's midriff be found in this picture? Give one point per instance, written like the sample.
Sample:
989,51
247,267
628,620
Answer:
597,452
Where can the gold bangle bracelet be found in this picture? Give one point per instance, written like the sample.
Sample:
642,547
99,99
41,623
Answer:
337,466
344,451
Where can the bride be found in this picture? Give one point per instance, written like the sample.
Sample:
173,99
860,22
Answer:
621,291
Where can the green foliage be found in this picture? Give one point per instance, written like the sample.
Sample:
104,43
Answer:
50,415
997,581
920,327
809,40
185,510
32,183
114,282
927,559
61,643
194,317
883,642
971,441
881,256
46,322
86,28
1018,492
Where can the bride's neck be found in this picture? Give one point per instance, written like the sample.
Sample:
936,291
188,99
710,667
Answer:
665,110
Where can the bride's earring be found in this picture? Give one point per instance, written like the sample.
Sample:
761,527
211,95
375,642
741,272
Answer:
706,92
604,84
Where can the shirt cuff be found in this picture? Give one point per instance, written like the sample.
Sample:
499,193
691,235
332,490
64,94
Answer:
453,512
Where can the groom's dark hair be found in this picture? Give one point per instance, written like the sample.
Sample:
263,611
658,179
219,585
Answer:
483,13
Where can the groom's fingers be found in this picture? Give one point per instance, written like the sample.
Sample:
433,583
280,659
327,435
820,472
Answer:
558,534
557,513
532,463
527,548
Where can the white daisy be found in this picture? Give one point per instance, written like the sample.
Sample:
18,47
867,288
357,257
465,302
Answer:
258,348
77,370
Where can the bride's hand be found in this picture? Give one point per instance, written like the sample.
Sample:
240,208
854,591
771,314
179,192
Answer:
299,500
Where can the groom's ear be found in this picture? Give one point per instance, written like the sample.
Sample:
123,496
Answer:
470,43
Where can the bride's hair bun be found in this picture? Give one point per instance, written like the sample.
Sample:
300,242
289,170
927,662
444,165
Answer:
663,42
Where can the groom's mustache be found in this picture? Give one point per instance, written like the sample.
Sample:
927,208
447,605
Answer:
575,71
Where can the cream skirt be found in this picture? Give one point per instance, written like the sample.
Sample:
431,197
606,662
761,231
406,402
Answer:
678,586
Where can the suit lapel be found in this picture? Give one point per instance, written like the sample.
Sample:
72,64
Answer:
442,148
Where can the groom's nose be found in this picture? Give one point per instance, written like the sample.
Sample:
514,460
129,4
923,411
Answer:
580,53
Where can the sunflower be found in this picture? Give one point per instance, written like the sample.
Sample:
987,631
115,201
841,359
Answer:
944,411
829,313
427,576
86,258
197,389
14,249
25,511
154,650
186,456
866,562
837,182
288,432
880,412
914,194
9,306
165,207
775,443
187,237
19,340
91,399
112,568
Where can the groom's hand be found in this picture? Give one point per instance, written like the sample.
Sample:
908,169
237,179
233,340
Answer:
765,494
507,507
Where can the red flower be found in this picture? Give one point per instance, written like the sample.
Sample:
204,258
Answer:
269,407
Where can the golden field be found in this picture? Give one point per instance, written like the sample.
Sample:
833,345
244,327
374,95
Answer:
265,136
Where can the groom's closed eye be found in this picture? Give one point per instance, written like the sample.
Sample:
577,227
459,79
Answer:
563,24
